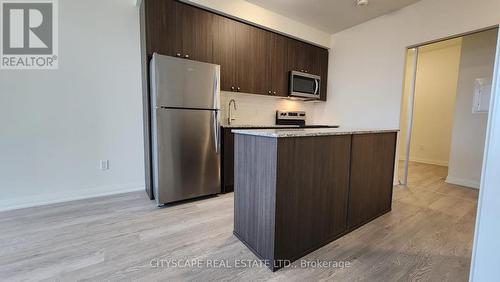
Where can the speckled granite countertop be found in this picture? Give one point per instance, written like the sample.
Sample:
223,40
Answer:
305,132
257,126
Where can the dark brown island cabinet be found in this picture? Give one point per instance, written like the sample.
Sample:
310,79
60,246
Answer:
295,194
227,155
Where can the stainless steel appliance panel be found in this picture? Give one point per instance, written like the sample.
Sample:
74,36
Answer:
182,83
187,154
304,85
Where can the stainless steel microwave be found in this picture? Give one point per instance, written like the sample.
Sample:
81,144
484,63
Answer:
304,85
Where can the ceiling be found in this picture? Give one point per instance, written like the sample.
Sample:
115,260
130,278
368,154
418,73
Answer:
331,15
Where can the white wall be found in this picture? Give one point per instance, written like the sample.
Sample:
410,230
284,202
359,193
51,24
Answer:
56,125
486,253
469,130
434,104
367,61
260,110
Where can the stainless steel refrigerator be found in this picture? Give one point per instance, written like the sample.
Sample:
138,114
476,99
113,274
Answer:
185,128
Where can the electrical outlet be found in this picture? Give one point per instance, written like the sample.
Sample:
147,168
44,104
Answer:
104,164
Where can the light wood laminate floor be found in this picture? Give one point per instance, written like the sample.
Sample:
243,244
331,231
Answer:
427,237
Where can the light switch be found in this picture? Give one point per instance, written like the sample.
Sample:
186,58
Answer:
104,164
482,95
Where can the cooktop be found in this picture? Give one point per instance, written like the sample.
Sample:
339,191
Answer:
297,118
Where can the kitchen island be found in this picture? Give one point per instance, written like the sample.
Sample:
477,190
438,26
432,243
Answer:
299,189
227,150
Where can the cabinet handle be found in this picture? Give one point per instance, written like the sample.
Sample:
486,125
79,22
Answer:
269,92
178,54
186,56
274,92
239,89
302,70
232,88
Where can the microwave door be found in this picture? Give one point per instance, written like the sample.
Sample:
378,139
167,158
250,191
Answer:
305,85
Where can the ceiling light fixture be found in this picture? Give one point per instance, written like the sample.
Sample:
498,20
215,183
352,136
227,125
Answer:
361,3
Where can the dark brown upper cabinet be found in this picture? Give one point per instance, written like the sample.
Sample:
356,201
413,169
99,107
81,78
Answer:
199,33
306,58
278,64
225,53
298,54
177,29
311,59
253,60
255,72
323,70
247,58
160,19
244,54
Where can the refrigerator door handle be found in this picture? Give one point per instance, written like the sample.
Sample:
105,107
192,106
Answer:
216,90
216,131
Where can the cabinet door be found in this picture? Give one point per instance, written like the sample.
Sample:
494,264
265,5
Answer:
243,63
312,192
225,52
297,55
278,65
162,32
251,48
314,63
372,171
257,61
227,160
199,32
323,67
263,61
305,57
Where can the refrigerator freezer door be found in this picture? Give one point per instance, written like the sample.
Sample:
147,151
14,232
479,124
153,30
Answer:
182,83
186,154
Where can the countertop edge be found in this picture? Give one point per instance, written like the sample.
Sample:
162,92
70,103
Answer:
286,133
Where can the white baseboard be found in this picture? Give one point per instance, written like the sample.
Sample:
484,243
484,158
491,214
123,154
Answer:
462,182
72,195
428,161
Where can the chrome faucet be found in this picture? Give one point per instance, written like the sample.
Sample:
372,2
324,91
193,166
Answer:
230,117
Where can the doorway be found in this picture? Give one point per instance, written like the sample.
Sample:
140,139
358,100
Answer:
445,108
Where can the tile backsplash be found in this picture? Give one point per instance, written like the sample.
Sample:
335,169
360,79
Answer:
260,109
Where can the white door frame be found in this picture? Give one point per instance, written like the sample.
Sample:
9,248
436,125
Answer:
486,249
409,118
